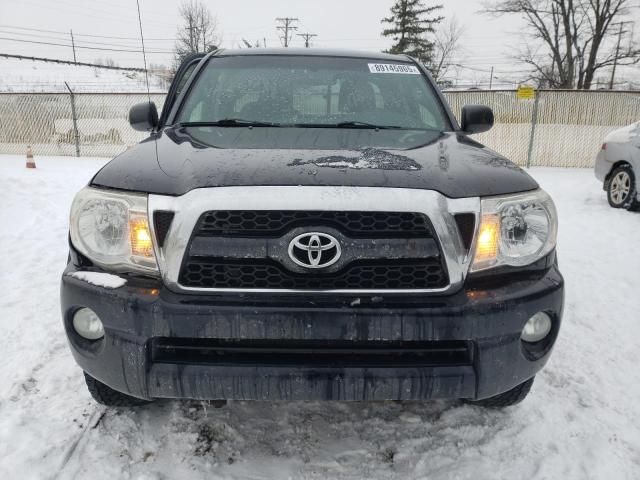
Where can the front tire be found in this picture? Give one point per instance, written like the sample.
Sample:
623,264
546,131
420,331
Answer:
109,397
622,189
506,399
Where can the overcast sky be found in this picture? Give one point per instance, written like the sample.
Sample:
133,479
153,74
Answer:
338,23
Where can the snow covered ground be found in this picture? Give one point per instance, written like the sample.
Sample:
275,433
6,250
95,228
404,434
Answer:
28,76
579,422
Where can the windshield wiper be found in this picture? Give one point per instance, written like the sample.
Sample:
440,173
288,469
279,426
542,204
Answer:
356,124
229,122
350,124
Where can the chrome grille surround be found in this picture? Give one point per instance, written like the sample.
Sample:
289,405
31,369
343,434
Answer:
189,207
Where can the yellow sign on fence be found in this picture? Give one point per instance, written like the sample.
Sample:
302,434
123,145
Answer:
526,92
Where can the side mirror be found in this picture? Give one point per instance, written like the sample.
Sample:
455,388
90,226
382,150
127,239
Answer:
476,118
143,116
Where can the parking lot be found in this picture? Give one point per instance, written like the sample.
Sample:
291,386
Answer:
579,422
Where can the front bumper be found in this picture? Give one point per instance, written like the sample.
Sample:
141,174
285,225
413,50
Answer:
487,320
602,165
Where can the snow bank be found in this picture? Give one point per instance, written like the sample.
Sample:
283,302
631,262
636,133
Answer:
36,76
579,422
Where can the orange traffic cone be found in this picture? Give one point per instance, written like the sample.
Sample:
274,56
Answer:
31,163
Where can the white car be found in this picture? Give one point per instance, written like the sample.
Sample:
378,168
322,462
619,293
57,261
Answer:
617,165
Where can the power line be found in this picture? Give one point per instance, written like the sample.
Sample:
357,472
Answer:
307,37
107,10
75,35
90,12
64,34
77,46
286,24
67,62
477,60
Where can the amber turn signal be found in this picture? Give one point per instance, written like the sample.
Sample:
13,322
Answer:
487,242
141,244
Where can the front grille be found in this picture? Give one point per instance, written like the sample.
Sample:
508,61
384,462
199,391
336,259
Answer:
259,259
273,223
315,353
246,274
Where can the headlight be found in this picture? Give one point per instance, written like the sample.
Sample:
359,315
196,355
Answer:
112,229
515,230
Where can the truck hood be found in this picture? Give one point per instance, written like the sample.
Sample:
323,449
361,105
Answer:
175,161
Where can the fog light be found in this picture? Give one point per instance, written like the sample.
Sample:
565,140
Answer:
536,328
87,324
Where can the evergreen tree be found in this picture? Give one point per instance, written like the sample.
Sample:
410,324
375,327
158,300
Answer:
410,22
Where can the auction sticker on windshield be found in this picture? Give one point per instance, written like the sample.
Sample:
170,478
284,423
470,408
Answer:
393,68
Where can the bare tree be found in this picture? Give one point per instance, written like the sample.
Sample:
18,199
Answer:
247,44
163,73
107,62
447,45
198,32
574,39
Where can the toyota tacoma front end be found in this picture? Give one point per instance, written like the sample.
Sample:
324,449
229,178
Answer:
310,226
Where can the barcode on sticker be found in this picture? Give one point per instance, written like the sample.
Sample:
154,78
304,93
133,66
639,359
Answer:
393,68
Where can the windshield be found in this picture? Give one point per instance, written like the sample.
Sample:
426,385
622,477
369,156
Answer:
307,91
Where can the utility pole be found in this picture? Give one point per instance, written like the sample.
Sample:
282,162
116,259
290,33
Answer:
491,78
204,37
76,134
73,45
193,37
286,24
615,59
307,37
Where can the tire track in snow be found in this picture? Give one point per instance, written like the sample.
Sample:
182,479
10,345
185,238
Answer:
78,444
28,386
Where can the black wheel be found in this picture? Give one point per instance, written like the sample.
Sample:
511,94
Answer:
506,399
110,397
621,188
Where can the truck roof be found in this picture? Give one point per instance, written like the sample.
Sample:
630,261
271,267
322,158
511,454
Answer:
316,52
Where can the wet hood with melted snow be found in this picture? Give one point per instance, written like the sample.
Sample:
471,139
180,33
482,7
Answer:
449,163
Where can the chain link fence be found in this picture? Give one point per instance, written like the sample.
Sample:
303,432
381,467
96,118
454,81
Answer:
558,128
46,121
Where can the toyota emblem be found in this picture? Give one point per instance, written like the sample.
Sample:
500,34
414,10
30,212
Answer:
314,250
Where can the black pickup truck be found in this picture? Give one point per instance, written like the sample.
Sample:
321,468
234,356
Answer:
310,225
